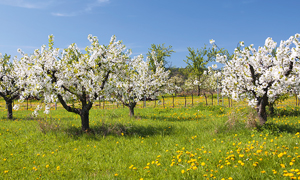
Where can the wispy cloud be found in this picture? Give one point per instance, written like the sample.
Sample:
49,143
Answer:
86,8
89,7
30,4
64,14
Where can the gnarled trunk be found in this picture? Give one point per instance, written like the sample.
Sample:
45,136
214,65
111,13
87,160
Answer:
84,115
271,108
131,107
9,109
261,109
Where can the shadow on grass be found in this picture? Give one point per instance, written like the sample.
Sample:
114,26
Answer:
273,128
98,132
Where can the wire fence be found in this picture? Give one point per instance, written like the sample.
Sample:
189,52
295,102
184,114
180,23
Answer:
159,102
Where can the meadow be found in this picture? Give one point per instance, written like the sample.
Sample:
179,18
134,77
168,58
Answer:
160,142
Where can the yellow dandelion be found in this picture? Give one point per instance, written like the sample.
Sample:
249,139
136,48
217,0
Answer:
116,174
58,168
182,171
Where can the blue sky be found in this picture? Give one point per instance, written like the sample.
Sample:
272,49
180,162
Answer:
26,24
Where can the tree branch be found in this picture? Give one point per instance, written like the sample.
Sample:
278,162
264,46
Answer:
68,108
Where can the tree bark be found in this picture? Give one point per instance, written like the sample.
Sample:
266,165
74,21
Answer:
205,98
83,112
84,115
198,90
173,101
9,109
131,107
261,109
271,108
212,99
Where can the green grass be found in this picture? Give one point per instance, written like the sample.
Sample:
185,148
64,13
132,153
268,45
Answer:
182,143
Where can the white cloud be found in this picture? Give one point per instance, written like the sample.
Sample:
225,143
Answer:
30,4
63,14
86,6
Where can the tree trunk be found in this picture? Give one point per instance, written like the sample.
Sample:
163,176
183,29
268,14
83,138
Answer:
198,90
9,109
173,101
131,107
212,99
261,109
85,120
184,101
205,98
271,108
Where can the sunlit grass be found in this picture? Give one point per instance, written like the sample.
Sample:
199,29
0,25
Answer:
196,142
